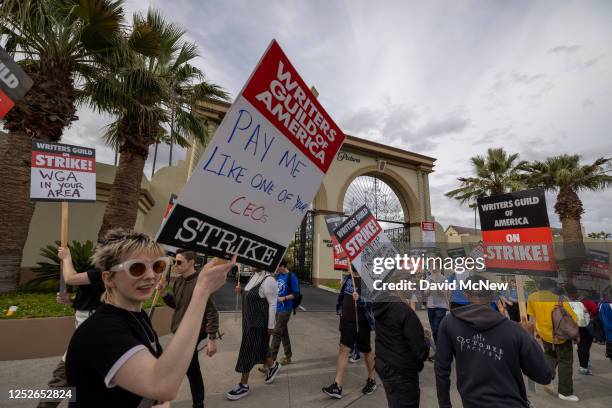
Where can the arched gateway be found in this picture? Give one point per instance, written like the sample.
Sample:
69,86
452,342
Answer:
392,182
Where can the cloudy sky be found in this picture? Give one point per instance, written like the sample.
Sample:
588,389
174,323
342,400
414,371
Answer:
444,79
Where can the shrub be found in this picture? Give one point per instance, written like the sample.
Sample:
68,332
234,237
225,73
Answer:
47,273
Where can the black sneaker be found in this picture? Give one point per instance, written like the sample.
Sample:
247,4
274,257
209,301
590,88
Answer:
334,391
239,391
272,371
370,387
355,357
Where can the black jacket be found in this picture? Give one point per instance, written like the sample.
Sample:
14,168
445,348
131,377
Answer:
400,341
492,354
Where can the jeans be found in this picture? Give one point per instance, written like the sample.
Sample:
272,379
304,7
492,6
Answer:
194,374
401,391
281,334
435,315
561,355
584,347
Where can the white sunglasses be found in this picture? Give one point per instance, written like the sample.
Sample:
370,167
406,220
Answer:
135,268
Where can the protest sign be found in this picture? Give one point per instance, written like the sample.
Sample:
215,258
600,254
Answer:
170,204
14,83
260,171
516,233
428,229
61,172
340,259
597,264
363,240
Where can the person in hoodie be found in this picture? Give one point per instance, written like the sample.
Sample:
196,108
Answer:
401,350
492,353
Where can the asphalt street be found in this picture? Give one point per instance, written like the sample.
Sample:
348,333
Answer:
314,299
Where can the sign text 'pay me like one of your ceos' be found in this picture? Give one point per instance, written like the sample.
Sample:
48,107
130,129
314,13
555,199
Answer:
260,172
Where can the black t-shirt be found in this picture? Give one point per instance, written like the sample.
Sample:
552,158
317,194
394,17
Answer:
88,296
97,350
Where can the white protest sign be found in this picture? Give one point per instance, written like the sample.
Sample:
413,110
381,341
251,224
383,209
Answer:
62,172
363,239
260,171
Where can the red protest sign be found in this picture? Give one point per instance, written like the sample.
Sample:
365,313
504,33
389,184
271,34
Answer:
278,92
516,233
6,104
340,258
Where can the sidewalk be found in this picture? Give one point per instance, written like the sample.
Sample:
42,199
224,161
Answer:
314,338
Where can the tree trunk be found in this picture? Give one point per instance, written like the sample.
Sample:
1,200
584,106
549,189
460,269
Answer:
569,208
15,206
122,207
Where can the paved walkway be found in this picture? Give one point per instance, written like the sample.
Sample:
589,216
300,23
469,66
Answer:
314,339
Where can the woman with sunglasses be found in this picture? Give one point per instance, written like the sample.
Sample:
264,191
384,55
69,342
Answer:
114,358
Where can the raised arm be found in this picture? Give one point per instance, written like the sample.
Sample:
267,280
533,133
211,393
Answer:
71,276
161,378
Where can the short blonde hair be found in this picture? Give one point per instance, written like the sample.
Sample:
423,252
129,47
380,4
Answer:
116,245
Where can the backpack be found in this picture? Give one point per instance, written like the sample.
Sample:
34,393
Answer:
596,329
297,298
564,327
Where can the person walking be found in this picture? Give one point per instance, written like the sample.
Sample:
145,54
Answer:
90,288
457,297
114,358
509,300
259,300
401,350
558,352
179,299
356,323
583,318
492,353
437,302
605,314
288,289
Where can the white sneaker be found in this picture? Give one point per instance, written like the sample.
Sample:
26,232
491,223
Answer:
571,398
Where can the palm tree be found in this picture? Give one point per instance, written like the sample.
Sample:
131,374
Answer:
497,173
150,93
57,43
161,138
568,177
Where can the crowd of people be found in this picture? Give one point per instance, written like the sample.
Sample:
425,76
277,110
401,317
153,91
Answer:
114,357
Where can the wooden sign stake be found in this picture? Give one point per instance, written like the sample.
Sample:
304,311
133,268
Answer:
63,242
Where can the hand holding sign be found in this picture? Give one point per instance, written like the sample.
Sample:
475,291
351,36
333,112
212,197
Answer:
214,274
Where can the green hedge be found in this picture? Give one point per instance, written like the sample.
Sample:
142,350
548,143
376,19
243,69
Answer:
39,304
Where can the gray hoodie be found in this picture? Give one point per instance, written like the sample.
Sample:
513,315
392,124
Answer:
492,355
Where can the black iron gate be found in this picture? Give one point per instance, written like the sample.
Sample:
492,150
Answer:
303,249
400,237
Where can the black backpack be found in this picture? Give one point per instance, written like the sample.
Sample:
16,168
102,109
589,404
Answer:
596,329
297,298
